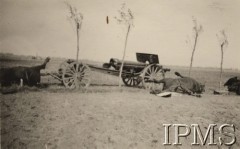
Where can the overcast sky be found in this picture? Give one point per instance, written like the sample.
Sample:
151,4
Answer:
41,27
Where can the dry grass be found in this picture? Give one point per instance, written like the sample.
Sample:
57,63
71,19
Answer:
112,118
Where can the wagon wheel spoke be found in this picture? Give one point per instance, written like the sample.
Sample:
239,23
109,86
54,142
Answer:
76,82
75,68
70,83
85,71
156,70
147,77
76,75
127,79
82,69
148,72
151,72
68,74
135,81
130,80
70,70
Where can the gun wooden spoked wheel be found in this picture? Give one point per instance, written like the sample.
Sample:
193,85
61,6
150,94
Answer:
131,80
150,73
76,75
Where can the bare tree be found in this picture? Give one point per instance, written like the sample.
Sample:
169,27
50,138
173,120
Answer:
126,18
197,29
77,18
222,38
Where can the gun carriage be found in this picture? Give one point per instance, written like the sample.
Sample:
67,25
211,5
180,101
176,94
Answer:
75,74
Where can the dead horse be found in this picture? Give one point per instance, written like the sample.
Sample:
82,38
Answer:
183,84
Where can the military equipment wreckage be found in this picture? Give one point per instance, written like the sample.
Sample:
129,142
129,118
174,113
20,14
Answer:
75,74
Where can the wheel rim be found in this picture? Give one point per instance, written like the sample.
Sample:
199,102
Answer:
152,72
131,80
76,75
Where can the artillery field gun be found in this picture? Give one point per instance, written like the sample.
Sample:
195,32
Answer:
76,74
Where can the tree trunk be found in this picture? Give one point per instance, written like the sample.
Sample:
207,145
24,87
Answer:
77,41
124,53
221,68
194,48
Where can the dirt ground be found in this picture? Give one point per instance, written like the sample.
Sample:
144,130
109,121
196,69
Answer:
108,117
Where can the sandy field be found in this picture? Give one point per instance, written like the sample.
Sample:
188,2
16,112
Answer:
122,118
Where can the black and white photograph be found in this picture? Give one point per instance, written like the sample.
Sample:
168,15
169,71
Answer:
120,74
